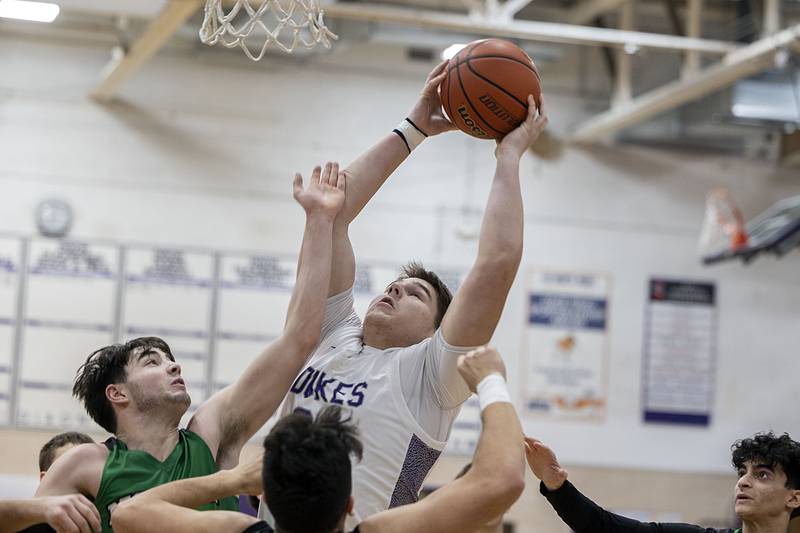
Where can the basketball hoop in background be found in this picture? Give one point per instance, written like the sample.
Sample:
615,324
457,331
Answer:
285,24
723,227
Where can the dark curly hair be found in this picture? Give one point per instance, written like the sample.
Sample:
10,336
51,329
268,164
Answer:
766,448
306,472
415,269
104,367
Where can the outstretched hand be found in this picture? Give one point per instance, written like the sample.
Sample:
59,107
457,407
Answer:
520,139
544,464
324,194
427,112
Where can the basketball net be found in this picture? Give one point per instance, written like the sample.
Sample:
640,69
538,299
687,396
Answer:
723,226
286,24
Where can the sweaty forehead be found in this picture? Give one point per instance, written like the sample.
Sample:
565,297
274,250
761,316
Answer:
142,352
416,281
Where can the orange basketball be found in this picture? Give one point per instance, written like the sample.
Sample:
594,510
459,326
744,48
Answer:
485,92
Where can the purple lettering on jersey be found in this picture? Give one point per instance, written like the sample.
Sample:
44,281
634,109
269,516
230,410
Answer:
301,381
319,390
310,387
338,390
314,382
357,394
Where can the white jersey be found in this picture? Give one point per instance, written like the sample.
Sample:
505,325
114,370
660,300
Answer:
403,400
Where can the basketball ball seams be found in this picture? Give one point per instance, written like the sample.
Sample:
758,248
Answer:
528,64
480,101
496,56
469,102
496,86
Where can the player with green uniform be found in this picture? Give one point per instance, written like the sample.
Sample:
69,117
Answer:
135,391
128,472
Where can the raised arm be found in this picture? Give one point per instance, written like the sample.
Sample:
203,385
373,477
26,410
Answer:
369,171
580,513
478,304
496,478
171,507
233,415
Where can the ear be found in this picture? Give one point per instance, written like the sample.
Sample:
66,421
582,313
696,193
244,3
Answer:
117,394
41,474
350,503
793,502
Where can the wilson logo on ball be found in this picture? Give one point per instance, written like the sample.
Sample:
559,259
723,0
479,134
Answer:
462,110
499,111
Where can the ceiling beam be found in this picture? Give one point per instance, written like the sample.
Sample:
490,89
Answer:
174,14
524,29
691,63
746,61
588,10
512,7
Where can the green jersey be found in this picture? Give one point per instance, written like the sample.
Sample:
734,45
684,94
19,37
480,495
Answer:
129,472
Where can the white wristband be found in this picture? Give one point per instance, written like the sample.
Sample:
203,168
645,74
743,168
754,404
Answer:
492,389
410,133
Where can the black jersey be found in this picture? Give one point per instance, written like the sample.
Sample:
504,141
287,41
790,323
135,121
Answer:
263,527
584,516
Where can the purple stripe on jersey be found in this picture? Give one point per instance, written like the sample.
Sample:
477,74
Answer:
419,461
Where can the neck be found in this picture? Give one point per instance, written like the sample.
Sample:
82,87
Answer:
154,436
772,524
383,338
376,337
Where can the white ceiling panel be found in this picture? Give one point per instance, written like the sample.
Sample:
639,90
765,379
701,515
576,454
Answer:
136,8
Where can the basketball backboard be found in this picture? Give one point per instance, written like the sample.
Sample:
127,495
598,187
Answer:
776,230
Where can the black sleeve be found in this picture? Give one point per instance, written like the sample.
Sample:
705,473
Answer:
584,516
38,528
259,527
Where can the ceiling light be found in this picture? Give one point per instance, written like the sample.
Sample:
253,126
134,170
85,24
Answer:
25,10
452,50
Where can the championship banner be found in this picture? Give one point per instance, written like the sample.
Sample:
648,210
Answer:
679,352
565,343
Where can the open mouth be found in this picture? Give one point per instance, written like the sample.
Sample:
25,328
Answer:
386,300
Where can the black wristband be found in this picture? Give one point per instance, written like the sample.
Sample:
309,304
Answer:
416,127
403,137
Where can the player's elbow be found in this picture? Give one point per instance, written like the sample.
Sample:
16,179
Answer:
500,268
506,487
502,256
124,515
514,485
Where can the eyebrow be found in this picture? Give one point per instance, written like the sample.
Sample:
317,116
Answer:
423,287
146,353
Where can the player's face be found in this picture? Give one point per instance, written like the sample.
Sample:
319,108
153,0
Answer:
154,381
761,492
407,308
